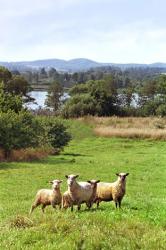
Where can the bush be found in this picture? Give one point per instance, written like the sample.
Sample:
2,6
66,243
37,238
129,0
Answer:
92,98
18,131
161,110
79,105
9,101
54,134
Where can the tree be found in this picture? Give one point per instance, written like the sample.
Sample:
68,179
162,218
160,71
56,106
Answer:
43,73
58,137
18,131
5,75
52,73
18,86
9,101
54,96
92,98
54,133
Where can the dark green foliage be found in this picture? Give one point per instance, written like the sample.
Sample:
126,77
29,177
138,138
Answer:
161,110
10,101
54,133
17,85
5,75
153,97
92,98
80,105
18,131
55,93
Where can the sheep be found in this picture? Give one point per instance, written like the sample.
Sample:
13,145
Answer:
112,191
47,197
93,184
79,192
67,200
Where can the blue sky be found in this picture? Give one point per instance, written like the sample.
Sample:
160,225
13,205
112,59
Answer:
119,31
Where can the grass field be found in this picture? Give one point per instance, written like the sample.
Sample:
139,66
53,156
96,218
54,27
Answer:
140,224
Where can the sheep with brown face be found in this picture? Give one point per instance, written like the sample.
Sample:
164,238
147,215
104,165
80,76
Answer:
93,184
79,192
115,191
47,197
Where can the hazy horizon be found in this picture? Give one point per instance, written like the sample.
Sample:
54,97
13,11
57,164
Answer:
81,58
107,31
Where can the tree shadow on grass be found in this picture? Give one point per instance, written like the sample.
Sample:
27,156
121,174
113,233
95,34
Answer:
26,164
74,155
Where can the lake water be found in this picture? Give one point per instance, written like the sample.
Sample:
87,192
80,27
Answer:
40,98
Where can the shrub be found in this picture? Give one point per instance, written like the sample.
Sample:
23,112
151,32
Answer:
54,134
92,98
161,110
9,101
18,131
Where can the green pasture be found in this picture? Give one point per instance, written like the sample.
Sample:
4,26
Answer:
140,224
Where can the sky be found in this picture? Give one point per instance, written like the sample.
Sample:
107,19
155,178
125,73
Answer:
112,31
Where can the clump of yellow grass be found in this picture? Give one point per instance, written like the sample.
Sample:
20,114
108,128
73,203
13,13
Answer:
128,127
156,134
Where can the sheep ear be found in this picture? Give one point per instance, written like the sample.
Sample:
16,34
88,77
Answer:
117,174
127,174
89,182
98,181
66,176
76,176
60,181
50,182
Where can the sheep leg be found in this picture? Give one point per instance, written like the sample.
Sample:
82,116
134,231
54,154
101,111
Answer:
43,207
116,204
119,204
53,205
98,202
79,207
89,204
72,208
36,204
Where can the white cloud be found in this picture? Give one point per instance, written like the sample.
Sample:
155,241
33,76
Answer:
103,30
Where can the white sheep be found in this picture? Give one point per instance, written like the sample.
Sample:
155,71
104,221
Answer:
47,197
79,192
112,191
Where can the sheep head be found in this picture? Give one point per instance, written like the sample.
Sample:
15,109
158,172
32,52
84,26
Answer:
122,176
71,179
93,183
56,184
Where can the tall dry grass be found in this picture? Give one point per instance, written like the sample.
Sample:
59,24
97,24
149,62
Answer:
28,154
128,127
156,134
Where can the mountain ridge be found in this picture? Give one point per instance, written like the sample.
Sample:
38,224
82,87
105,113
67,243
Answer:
72,65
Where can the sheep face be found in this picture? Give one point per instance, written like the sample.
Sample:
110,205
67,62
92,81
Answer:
122,176
71,179
55,184
93,183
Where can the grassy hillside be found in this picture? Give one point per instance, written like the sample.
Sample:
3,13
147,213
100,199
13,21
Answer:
140,224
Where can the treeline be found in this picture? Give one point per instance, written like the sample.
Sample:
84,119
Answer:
104,98
122,93
45,76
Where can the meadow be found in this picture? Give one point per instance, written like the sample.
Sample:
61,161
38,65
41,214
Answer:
140,224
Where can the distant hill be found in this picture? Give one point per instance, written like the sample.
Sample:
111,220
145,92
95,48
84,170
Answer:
79,64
